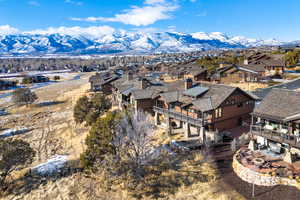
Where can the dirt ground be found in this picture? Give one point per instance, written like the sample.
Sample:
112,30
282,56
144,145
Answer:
51,119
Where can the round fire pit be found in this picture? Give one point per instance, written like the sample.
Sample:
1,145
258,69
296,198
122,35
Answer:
258,161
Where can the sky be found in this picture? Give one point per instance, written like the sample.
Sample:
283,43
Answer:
260,19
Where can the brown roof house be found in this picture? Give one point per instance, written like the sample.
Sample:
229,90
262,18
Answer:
135,91
276,122
267,65
102,82
203,111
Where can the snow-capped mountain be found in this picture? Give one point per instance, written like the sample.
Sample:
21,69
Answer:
35,43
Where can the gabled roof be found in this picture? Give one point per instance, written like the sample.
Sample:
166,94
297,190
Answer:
195,91
170,97
211,99
280,104
203,104
144,94
103,78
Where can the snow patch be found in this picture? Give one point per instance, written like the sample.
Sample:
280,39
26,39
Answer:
51,166
13,131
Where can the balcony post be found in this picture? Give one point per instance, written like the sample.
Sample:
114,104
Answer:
187,130
156,118
202,135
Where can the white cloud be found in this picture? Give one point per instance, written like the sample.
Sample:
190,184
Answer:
171,28
151,12
6,30
33,3
151,2
92,31
77,3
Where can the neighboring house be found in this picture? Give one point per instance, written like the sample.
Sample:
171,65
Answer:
276,122
4,84
203,111
238,74
134,90
35,79
140,92
199,74
102,82
186,70
267,65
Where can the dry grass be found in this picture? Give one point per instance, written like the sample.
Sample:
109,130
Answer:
249,86
196,179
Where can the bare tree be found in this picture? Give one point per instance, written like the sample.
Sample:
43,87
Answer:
134,138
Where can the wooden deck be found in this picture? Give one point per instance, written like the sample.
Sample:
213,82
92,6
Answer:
179,116
276,136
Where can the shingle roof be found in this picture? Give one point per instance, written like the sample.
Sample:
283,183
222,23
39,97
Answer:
211,99
144,94
279,104
170,97
203,104
291,85
195,91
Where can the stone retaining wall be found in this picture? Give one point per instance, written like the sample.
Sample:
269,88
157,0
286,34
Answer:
261,179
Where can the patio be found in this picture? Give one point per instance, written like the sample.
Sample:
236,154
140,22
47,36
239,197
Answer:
267,162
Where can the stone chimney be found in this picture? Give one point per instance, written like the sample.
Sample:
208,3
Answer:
143,83
188,83
129,76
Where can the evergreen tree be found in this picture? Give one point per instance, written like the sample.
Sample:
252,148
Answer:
99,142
23,96
13,153
81,109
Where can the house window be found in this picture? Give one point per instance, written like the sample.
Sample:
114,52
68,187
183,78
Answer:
191,110
218,112
239,105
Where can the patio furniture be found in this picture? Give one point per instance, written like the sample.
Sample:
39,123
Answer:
285,131
269,127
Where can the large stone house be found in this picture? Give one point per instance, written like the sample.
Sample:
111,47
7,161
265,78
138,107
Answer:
276,122
203,111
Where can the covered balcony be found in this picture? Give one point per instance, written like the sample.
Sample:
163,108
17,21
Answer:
199,122
278,132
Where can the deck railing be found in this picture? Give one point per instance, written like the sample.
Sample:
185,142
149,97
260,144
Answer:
179,116
276,136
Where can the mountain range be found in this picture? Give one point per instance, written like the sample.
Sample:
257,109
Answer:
121,42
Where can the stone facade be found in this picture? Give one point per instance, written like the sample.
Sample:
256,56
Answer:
261,179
